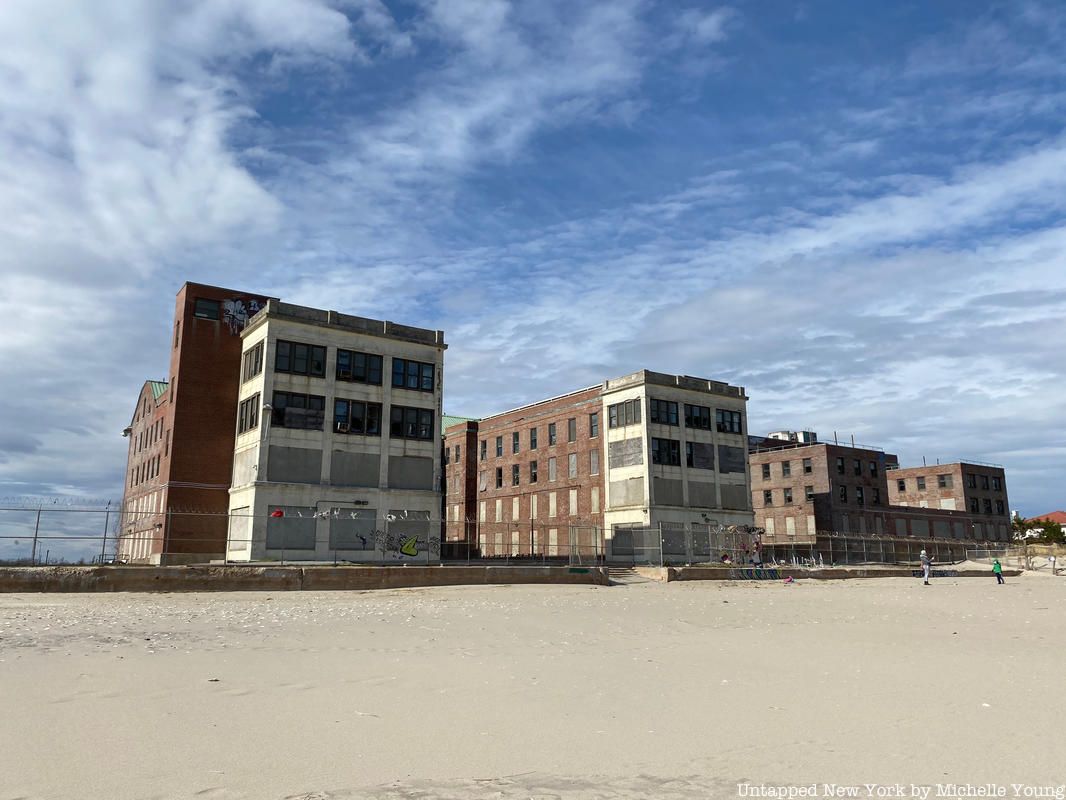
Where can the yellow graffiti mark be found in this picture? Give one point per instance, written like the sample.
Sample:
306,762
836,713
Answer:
409,546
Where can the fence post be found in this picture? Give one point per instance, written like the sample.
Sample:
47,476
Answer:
36,528
107,521
660,544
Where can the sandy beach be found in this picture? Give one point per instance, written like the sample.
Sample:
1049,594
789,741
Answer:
670,691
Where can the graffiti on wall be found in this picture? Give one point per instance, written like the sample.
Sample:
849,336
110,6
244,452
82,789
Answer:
236,313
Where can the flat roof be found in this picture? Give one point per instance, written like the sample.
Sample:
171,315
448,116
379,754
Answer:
275,309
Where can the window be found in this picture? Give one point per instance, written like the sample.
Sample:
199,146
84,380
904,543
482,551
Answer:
359,367
697,417
768,497
971,480
253,363
808,467
728,421
901,485
499,447
457,452
1000,507
594,424
766,472
621,414
666,451
551,469
860,495
808,493
482,484
412,375
594,462
447,450
571,465
876,496
788,497
552,438
514,442
984,482
292,410
532,438
975,505
921,484
532,471
843,494
177,333
856,466
840,466
786,469
997,483
514,475
873,469
411,423
571,430
206,309
987,505
484,449
943,481
499,477
300,359
354,416
663,412
699,455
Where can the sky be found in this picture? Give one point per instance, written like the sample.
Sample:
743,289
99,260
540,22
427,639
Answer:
854,210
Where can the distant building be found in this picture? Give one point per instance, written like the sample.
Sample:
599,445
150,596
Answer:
800,490
181,434
980,490
338,424
592,467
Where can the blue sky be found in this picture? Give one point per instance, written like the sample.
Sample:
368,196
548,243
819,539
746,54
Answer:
854,210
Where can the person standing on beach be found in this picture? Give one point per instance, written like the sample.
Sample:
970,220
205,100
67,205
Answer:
925,565
997,568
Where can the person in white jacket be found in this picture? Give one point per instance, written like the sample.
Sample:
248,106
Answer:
926,563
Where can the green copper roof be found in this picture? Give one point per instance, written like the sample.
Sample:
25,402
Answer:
158,388
447,420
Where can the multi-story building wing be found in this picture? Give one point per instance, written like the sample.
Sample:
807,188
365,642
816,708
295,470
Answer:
589,468
979,490
181,434
337,438
798,489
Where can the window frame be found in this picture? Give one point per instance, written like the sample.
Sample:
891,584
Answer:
371,363
216,304
414,376
371,413
698,417
672,455
311,354
415,424
662,412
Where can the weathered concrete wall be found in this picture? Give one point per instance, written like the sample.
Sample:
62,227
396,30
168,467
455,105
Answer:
838,573
228,579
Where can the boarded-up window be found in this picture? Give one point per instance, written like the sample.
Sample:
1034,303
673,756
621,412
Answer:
594,462
294,530
571,467
673,538
731,459
625,453
628,492
482,481
294,464
481,511
533,507
514,508
812,526
551,504
352,529
595,499
701,455
499,510
769,526
551,469
667,491
702,495
573,503
410,472
354,469
735,496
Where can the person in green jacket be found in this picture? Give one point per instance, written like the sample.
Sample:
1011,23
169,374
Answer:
997,568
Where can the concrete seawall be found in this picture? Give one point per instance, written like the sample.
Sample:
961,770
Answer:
288,578
826,573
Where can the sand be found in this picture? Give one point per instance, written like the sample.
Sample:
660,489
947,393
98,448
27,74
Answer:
670,691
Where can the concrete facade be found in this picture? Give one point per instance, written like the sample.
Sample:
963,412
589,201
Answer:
336,459
181,434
